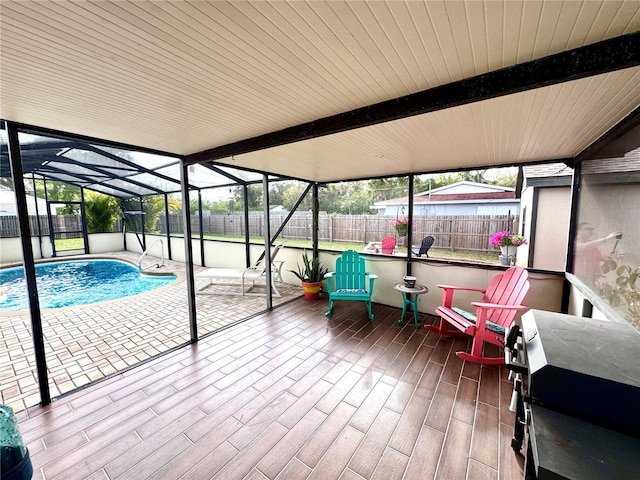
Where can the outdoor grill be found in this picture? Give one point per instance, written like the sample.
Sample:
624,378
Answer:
576,396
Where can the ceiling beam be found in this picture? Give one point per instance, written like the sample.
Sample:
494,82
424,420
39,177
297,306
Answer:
595,59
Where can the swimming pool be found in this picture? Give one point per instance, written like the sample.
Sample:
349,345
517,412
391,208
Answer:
76,282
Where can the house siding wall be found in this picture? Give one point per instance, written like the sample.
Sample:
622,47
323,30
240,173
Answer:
455,209
552,228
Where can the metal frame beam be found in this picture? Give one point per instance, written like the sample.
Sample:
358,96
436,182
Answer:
29,264
267,241
188,253
89,182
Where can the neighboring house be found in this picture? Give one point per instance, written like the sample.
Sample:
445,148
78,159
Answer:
278,210
546,210
8,205
461,198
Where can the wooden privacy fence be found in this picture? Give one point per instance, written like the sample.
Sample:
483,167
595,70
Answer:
9,226
64,226
455,233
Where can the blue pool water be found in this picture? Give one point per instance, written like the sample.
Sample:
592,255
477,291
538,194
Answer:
78,282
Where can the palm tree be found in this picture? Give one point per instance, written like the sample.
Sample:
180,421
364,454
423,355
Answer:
101,210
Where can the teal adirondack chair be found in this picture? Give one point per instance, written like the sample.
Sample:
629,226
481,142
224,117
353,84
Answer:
350,281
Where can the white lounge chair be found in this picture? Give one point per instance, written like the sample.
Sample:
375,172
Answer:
245,278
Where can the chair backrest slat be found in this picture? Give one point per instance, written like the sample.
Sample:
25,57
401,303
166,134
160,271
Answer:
350,271
425,245
388,245
274,252
508,288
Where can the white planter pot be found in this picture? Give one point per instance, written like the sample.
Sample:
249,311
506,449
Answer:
509,251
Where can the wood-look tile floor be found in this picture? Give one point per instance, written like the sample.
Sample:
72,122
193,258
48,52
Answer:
289,394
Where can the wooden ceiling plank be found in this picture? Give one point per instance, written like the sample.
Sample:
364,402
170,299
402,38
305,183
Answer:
498,34
183,76
444,40
327,73
95,63
389,49
479,37
626,18
293,75
424,25
216,72
461,51
548,27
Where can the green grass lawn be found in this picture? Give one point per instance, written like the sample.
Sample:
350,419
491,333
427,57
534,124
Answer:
78,244
342,246
69,244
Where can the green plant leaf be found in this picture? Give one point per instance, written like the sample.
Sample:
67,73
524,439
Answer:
621,270
311,269
608,266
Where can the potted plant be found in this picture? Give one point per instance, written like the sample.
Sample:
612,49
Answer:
311,274
401,225
508,244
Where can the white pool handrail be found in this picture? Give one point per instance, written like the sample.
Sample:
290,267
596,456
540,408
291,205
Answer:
157,265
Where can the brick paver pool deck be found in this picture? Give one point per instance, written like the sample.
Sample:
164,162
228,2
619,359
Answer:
88,343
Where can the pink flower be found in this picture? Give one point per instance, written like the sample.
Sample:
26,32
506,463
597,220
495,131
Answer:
506,239
400,223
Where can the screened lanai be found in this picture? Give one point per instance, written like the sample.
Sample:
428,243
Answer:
338,91
132,178
117,172
408,88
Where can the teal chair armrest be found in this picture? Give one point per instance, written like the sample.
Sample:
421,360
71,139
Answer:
329,277
372,278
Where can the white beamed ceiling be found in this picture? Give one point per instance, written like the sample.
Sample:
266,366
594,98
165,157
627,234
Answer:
182,77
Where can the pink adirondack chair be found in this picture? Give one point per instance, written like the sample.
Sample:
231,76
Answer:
499,305
388,245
